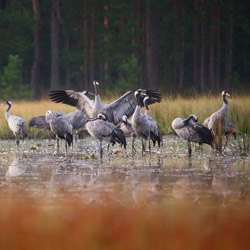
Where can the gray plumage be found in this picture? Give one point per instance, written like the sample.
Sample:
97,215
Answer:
229,128
103,130
141,123
217,122
126,126
16,124
76,118
125,105
155,134
60,126
191,131
39,122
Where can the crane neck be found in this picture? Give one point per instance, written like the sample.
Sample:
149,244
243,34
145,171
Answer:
96,90
147,111
186,121
224,100
7,113
138,106
98,103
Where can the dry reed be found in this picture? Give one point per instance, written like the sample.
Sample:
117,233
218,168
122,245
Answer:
164,112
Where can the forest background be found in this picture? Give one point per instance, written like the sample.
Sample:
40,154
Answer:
175,46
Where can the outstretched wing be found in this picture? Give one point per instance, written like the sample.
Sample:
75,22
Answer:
72,98
125,105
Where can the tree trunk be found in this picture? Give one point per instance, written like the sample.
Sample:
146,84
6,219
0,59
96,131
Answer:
211,50
218,49
202,56
196,45
105,63
55,26
85,46
92,43
67,42
176,42
230,47
152,46
181,53
36,72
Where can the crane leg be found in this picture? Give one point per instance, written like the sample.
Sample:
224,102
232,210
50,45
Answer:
143,146
66,147
101,150
149,146
133,145
189,149
57,143
227,138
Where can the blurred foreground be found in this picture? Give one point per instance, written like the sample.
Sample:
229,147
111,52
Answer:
36,224
166,201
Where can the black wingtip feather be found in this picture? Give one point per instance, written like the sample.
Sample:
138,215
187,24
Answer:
118,136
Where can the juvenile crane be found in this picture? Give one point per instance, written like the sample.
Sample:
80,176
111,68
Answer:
191,131
141,123
217,122
61,127
125,105
103,130
16,124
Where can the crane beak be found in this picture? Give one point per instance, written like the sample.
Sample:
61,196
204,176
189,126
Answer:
227,94
90,93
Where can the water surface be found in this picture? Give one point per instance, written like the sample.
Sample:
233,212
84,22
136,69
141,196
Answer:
168,176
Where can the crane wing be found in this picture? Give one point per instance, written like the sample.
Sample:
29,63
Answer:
73,98
125,105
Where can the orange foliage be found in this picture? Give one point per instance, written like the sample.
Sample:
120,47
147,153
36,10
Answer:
59,224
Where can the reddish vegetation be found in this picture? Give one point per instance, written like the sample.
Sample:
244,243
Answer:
40,224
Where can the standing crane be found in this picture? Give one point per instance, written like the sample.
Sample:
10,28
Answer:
141,123
61,127
191,131
103,130
126,126
16,124
217,122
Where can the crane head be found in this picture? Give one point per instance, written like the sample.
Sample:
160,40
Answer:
102,117
225,93
95,83
124,119
194,118
7,102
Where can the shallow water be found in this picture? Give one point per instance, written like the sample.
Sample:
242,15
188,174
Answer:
168,176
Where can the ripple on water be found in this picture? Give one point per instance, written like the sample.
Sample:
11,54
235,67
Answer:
168,175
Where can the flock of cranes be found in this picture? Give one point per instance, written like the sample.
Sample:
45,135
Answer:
110,122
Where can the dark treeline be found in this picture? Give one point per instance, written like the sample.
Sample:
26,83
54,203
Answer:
182,46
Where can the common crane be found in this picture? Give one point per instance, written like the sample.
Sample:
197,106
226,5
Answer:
76,118
229,128
16,124
191,131
125,105
61,127
126,126
103,130
141,123
217,122
155,135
